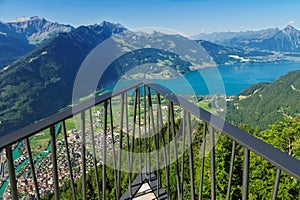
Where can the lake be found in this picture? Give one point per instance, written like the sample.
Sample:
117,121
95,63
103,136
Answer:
229,80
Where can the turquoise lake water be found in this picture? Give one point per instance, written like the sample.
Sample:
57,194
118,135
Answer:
230,80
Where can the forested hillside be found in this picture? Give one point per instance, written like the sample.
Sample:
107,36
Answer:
264,104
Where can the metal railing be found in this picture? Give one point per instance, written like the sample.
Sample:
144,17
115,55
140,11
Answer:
142,129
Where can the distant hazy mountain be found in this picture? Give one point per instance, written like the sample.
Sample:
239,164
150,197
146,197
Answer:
224,37
285,40
266,103
23,35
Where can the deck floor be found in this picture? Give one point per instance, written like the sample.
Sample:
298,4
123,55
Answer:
145,192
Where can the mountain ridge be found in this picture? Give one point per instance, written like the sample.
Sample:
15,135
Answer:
272,39
49,70
22,36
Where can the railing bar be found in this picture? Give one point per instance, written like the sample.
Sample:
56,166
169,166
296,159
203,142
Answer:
202,160
246,174
149,133
140,126
231,170
94,154
128,143
155,137
175,150
69,161
32,169
113,146
163,133
83,155
183,150
133,128
54,162
11,173
120,147
191,158
158,132
276,184
169,151
104,153
145,127
212,162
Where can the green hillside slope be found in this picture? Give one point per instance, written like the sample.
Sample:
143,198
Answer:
266,104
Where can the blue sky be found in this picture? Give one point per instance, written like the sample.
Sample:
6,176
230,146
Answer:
186,16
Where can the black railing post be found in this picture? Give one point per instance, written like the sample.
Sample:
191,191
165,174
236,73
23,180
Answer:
120,146
171,107
246,174
140,131
231,170
191,157
183,150
69,160
212,162
202,160
32,169
276,184
104,153
54,162
94,153
131,158
11,173
145,128
163,133
149,134
128,144
113,147
169,151
83,155
154,135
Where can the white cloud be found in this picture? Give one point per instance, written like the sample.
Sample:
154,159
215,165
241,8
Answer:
291,22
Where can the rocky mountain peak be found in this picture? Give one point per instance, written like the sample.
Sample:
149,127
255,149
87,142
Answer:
37,29
290,28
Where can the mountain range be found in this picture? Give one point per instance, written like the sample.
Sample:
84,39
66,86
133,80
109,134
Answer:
49,56
24,34
273,39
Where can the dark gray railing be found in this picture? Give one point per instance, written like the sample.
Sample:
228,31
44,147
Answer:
151,129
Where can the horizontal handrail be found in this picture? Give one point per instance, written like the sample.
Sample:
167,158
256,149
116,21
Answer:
267,151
